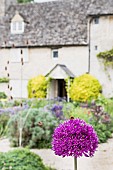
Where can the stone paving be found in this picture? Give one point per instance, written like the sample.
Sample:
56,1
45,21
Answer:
103,159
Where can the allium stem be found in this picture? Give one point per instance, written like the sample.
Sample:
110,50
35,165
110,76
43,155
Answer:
20,137
75,163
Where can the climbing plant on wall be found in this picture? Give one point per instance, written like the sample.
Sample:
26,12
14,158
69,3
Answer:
4,80
107,57
24,1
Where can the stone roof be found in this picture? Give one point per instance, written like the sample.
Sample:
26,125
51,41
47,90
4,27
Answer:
100,7
53,23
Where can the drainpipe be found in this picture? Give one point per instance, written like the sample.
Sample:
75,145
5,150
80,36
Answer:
89,58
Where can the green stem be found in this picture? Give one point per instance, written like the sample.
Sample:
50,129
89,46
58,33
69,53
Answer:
75,163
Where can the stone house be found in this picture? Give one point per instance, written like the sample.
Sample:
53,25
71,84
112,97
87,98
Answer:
59,39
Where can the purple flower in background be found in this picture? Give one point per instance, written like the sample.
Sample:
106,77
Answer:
13,110
74,138
57,111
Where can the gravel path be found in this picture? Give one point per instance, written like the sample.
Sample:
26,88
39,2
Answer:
103,159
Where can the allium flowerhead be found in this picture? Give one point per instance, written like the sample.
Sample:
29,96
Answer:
74,138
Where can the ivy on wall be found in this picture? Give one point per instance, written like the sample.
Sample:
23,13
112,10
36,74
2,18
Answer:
4,80
3,95
24,1
107,57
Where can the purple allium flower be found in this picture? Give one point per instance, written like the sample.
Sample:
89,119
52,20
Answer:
74,138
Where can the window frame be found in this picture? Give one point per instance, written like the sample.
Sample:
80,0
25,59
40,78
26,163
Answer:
53,52
96,20
15,27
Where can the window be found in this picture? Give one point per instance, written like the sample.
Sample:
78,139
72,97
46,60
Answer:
17,24
55,53
96,47
96,20
14,26
17,27
17,54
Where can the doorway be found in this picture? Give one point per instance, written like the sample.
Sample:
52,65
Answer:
62,88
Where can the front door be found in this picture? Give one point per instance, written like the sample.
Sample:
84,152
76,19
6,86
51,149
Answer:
62,88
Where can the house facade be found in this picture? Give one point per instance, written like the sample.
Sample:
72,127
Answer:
58,39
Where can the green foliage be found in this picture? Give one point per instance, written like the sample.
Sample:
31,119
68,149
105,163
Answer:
104,131
70,110
41,121
107,57
37,131
85,88
102,123
81,113
68,81
101,100
37,87
4,118
24,1
4,80
21,159
106,103
39,103
3,95
9,103
109,107
93,114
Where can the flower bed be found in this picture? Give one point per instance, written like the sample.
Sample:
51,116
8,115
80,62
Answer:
38,118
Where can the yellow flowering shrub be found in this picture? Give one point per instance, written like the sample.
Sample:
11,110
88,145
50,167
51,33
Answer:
85,88
37,87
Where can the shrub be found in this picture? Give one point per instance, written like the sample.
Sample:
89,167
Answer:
39,103
3,95
85,88
101,100
37,87
94,115
37,130
21,159
4,80
104,131
102,123
3,123
81,113
68,109
109,107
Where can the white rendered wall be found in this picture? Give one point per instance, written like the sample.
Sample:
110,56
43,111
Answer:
102,37
40,61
